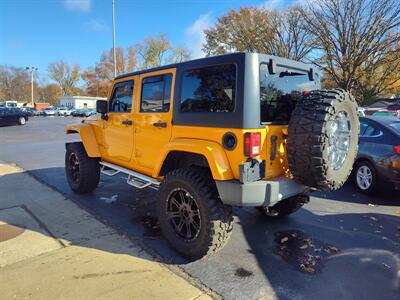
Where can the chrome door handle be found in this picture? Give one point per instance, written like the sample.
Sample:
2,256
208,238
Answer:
127,122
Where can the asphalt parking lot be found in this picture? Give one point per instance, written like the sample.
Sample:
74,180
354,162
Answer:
342,245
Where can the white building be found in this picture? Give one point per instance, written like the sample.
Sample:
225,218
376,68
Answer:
77,102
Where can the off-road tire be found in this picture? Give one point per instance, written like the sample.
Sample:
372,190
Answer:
216,218
21,121
307,143
285,207
89,175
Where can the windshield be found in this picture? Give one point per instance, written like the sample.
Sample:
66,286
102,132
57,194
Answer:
280,92
384,114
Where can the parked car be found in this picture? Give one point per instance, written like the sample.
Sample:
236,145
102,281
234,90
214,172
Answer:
381,104
83,112
67,113
387,113
48,112
378,159
29,110
12,116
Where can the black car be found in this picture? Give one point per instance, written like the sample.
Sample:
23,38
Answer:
378,159
11,116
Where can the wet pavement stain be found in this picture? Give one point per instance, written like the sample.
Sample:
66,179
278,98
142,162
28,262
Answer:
8,232
240,272
302,252
151,226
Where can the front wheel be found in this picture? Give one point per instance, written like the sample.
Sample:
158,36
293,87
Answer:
192,217
21,121
83,172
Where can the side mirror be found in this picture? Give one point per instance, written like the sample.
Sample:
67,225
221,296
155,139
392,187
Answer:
102,108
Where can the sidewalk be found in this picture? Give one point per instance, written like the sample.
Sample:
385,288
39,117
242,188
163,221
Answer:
52,249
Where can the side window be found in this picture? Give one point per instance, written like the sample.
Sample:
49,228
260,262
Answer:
363,126
209,89
156,93
121,100
370,131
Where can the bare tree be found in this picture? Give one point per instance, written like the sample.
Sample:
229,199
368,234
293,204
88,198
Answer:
65,76
357,41
283,33
15,84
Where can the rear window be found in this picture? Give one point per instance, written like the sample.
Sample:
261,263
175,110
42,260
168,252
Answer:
395,126
280,92
209,89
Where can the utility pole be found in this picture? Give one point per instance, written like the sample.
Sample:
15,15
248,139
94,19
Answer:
32,70
113,29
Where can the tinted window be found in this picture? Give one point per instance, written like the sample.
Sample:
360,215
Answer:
370,131
121,100
156,93
280,92
395,126
209,89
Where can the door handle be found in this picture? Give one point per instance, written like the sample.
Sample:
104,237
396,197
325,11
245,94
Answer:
127,122
160,124
274,146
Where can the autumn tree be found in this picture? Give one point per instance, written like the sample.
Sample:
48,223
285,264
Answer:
99,77
15,84
153,51
65,76
49,92
283,33
357,43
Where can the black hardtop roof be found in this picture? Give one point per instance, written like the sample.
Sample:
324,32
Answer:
279,60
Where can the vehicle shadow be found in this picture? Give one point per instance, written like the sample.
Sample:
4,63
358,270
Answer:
348,193
305,256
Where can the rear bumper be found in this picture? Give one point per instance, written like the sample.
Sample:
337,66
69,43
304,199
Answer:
258,193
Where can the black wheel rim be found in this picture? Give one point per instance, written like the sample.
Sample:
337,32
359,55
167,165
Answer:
183,214
73,165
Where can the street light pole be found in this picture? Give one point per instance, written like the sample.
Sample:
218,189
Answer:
32,70
113,29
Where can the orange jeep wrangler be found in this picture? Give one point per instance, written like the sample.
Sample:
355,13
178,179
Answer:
241,129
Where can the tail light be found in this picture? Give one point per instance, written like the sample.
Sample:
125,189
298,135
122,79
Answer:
252,143
397,149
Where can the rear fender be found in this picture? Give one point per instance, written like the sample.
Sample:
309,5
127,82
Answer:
87,136
213,152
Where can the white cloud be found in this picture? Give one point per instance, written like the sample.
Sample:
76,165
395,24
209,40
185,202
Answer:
78,5
273,4
195,35
97,25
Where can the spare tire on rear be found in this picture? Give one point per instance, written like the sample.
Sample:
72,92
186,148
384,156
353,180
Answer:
323,138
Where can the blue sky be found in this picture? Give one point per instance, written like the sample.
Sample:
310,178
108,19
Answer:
36,32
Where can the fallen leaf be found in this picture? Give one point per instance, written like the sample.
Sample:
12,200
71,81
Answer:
373,205
373,219
284,239
305,246
397,212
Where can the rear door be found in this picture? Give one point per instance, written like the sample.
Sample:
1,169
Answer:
153,121
118,133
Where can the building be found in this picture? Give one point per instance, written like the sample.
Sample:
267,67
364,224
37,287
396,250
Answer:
77,102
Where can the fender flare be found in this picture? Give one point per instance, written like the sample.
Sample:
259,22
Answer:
212,151
87,136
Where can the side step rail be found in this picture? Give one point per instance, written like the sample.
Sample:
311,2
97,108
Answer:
135,179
